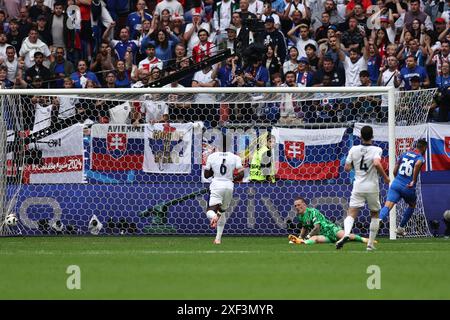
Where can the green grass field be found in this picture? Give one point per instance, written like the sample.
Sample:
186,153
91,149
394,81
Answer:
241,268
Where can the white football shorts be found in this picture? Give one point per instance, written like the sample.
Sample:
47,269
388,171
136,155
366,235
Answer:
222,196
359,199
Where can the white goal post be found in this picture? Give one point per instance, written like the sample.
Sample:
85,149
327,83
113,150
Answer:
397,116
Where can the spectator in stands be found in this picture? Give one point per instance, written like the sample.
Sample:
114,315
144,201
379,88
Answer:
123,78
354,63
104,61
373,61
39,9
204,48
333,48
275,37
256,7
243,35
11,63
304,75
151,61
155,112
256,75
364,79
110,80
38,69
291,63
414,12
296,5
186,81
3,45
30,45
172,5
439,56
303,40
24,21
353,37
82,75
412,69
389,74
67,105
381,41
4,24
336,76
222,17
443,85
268,11
321,32
290,109
227,73
60,68
205,108
5,83
142,79
192,29
121,46
271,60
244,11
137,18
14,37
313,59
358,13
164,43
180,54
335,16
57,24
44,32
177,26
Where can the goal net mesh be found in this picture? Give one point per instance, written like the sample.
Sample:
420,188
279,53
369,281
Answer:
132,163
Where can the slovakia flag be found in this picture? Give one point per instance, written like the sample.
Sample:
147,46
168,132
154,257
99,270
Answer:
309,154
440,146
117,147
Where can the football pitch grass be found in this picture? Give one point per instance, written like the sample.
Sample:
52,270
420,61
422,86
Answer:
184,268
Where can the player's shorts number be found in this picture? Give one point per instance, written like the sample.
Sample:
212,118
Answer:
406,168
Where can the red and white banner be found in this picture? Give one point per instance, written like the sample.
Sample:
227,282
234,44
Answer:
62,158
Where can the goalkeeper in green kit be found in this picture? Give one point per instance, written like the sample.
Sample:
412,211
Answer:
316,228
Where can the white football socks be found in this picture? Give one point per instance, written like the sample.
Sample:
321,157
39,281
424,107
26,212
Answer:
210,214
220,226
348,225
373,230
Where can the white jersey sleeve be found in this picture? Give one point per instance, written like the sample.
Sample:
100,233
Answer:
366,175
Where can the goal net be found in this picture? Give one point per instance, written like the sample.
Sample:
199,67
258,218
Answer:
130,162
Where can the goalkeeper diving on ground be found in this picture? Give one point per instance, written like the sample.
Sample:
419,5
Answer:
315,228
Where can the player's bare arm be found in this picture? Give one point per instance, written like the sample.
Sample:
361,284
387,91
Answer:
397,165
417,169
239,175
381,172
348,167
314,232
209,173
303,233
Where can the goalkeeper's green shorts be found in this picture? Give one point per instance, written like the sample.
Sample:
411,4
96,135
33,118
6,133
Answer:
331,232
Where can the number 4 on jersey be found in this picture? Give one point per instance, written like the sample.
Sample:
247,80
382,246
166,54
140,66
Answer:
362,165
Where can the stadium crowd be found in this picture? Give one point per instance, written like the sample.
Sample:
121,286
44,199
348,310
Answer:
123,44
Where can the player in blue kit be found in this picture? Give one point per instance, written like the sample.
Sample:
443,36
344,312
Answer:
406,172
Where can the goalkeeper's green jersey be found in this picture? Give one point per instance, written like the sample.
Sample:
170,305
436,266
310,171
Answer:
313,216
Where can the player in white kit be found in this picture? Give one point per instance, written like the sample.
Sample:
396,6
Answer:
221,166
365,159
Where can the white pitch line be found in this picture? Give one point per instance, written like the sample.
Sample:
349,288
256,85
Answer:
194,252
